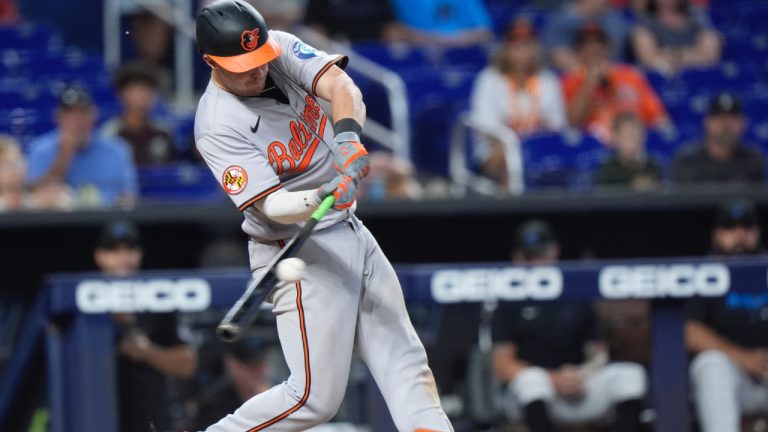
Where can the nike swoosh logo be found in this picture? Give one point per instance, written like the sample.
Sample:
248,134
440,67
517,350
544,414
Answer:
256,127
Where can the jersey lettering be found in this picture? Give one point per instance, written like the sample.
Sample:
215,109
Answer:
297,155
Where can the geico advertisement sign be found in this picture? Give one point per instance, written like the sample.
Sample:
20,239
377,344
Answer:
151,295
676,280
515,283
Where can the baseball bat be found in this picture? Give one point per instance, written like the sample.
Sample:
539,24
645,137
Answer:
244,312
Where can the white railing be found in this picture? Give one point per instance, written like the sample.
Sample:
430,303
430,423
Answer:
462,176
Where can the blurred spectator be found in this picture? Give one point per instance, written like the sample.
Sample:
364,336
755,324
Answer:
729,335
599,90
136,86
9,13
152,41
549,356
14,194
355,20
101,170
563,28
515,90
390,177
721,156
630,165
149,347
672,36
445,23
245,373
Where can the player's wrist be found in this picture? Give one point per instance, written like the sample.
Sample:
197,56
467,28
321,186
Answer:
347,129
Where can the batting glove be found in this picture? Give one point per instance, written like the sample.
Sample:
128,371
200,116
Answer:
343,188
350,156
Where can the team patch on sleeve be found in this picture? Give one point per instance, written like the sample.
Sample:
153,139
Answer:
304,51
234,179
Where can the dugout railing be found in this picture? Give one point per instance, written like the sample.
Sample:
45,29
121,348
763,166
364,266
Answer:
79,357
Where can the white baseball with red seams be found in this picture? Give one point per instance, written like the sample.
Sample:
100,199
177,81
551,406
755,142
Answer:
348,297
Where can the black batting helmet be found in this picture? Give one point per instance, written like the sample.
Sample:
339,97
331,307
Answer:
234,35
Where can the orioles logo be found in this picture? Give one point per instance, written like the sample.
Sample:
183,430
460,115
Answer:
234,179
249,39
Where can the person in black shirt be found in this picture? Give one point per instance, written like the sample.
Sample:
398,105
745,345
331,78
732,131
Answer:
729,336
722,155
149,349
151,143
548,354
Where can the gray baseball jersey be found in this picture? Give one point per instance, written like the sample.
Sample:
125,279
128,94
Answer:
349,297
257,145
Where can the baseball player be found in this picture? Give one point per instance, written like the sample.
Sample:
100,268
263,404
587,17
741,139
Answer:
278,150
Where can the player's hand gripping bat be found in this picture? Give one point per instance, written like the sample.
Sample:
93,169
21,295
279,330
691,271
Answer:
244,311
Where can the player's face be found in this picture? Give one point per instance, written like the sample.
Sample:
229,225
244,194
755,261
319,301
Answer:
120,261
736,240
249,83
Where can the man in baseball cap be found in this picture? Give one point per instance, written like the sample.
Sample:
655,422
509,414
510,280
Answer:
721,156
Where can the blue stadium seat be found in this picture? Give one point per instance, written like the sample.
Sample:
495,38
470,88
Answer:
562,159
179,183
29,36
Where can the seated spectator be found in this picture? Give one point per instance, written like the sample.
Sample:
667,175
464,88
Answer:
355,20
514,92
149,348
100,170
563,28
14,194
599,90
153,44
728,336
548,356
672,37
721,155
630,165
390,177
136,87
445,23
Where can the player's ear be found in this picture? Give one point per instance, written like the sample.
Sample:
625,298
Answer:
209,61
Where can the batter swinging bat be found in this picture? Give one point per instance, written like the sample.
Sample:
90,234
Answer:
244,311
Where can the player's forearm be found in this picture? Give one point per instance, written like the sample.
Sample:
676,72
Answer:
699,337
178,361
347,100
289,207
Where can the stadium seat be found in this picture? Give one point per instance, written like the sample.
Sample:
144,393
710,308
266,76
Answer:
562,159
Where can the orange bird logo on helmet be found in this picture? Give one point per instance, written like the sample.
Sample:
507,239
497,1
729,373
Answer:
249,39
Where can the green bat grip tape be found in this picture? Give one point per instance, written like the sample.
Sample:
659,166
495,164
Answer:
323,208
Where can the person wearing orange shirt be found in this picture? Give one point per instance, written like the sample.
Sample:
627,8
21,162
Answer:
599,90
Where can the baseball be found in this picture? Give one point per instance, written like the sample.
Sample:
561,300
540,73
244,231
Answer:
290,269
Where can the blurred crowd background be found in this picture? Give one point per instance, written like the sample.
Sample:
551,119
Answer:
626,127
